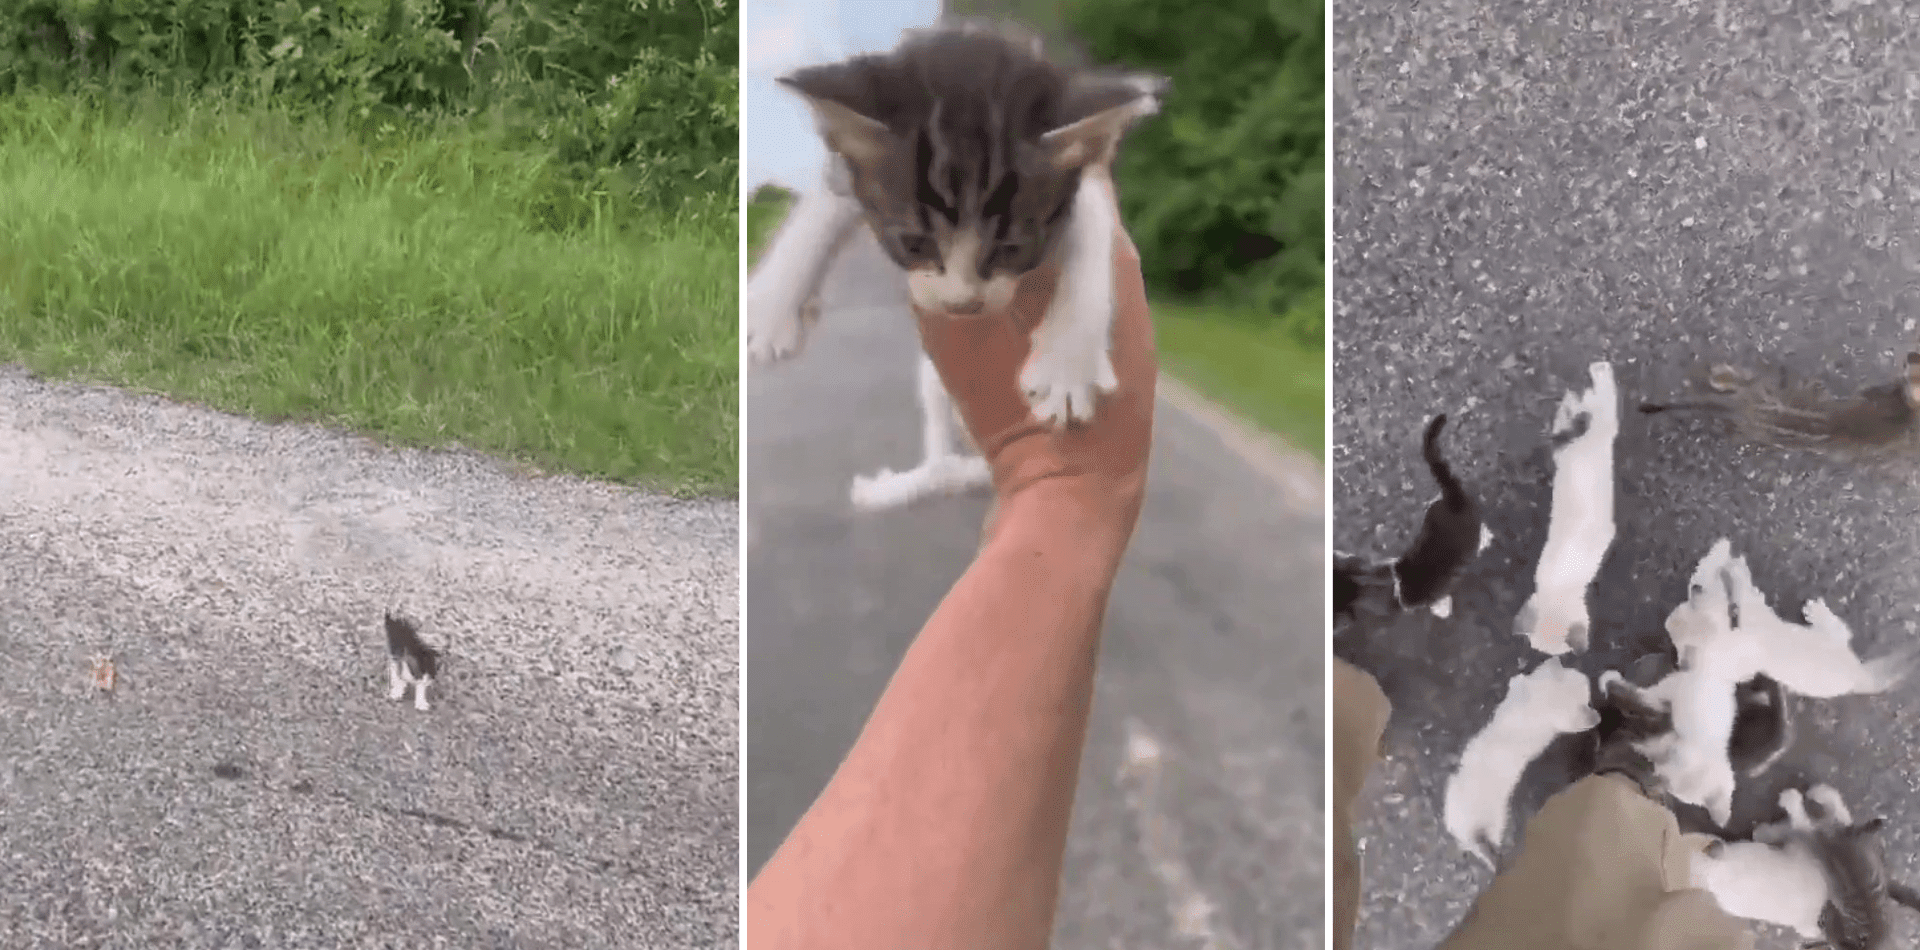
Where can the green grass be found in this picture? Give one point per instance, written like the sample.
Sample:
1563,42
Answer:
765,210
399,283
1254,367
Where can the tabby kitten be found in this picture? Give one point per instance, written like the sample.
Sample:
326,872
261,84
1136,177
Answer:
1788,414
974,159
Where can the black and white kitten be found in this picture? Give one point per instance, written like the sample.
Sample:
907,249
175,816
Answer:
1451,535
974,159
410,662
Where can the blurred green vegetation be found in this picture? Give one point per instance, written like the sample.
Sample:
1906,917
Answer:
766,207
507,224
1224,190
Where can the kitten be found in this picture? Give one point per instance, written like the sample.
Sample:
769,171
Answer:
1451,535
1709,611
973,159
1628,719
1855,863
1539,705
941,471
410,662
1786,414
1813,659
1694,761
1762,725
1776,878
1358,584
1581,525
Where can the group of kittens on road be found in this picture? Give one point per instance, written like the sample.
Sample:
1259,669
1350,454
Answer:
973,158
1722,712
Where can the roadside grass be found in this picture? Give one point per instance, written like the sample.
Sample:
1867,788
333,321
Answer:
400,283
766,208
1250,364
1257,368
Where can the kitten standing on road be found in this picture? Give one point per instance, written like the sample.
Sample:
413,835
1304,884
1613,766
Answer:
1451,535
1539,705
974,159
410,662
1580,528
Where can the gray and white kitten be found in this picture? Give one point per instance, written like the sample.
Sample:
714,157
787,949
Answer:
973,158
1854,860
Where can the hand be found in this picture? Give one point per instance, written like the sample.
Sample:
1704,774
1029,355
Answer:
1102,465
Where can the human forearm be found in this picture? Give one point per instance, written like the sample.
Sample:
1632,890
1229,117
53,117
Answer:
946,824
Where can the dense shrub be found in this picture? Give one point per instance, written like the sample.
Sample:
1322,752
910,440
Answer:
1224,189
632,99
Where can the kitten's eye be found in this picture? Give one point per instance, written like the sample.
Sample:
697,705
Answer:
916,245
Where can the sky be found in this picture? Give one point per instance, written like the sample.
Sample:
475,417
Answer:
783,35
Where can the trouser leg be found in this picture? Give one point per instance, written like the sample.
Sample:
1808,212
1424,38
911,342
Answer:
1360,711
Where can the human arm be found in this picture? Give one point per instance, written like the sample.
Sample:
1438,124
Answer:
946,824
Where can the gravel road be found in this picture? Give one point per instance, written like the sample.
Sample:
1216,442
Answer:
1198,822
1524,188
248,785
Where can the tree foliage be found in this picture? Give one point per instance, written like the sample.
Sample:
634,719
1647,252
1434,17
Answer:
1224,190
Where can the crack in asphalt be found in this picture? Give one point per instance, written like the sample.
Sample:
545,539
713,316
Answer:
624,867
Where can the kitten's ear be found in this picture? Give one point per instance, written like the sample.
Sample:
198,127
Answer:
1870,826
840,95
1104,107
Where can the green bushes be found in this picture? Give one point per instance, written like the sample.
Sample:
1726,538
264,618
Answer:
1224,190
508,225
632,99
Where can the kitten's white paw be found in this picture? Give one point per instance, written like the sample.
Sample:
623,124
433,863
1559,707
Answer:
1063,380
1486,539
1443,608
397,693
776,328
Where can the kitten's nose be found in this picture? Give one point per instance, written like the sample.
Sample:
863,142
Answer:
968,308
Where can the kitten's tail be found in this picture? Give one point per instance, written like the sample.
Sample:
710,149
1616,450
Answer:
1884,673
1450,487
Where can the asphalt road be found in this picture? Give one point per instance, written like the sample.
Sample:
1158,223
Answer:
1213,653
247,784
1523,188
